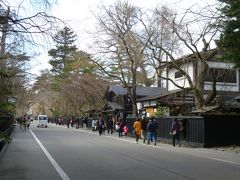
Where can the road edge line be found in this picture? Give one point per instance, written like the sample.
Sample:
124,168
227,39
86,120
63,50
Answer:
62,174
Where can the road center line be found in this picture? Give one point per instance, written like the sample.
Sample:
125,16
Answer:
62,174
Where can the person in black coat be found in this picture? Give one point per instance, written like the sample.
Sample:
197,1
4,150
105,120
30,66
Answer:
101,126
144,124
110,126
152,131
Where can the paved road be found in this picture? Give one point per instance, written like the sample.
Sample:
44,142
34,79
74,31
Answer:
61,153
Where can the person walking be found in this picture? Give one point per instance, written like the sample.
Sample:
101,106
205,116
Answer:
119,127
72,122
24,123
28,122
175,132
144,129
125,130
101,126
94,124
137,129
20,121
152,131
77,122
68,122
110,126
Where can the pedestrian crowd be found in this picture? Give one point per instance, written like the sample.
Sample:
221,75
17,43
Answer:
70,121
24,122
143,128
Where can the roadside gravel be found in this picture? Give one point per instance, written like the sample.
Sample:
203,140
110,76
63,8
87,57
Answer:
234,149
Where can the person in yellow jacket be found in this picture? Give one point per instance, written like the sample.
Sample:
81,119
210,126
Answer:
137,129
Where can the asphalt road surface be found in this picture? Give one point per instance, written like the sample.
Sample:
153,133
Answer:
60,153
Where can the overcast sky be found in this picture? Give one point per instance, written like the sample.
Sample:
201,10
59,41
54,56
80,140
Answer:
78,14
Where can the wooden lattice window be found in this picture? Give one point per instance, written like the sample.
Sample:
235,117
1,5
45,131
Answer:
222,75
178,74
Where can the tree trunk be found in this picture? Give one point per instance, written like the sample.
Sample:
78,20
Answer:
133,97
198,99
134,94
134,103
211,96
134,109
198,91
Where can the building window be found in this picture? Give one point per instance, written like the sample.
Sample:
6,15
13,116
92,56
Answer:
153,103
139,105
178,74
146,103
222,75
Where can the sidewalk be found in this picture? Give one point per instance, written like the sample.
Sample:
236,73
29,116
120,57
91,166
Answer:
4,144
23,159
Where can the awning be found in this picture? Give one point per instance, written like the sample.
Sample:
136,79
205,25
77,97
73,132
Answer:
111,107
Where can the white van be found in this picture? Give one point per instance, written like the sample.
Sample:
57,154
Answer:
42,121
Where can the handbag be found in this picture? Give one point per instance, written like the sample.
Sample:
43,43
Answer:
117,127
174,132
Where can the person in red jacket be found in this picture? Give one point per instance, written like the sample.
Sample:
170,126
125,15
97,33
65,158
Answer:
125,130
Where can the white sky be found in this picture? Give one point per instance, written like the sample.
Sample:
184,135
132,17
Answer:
78,14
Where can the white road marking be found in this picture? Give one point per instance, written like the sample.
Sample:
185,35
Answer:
62,174
222,160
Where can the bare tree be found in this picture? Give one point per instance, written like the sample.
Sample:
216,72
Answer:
194,35
121,54
18,31
130,36
80,90
158,32
82,93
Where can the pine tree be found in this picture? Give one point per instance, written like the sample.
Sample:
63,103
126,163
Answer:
63,55
229,42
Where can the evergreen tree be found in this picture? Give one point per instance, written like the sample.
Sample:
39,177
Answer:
63,55
229,42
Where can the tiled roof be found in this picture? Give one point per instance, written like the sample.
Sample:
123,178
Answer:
158,95
117,89
115,106
211,54
141,91
111,107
